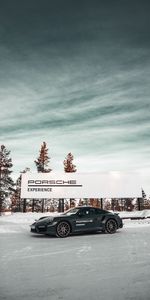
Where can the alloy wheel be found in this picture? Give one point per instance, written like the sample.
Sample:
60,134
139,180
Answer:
111,226
63,229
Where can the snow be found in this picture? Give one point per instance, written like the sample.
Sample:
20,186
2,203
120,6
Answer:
97,266
25,218
135,214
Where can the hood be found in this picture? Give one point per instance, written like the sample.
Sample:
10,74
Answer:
45,220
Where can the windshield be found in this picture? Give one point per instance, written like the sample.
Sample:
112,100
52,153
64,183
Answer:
71,211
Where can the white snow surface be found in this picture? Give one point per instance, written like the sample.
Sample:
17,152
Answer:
26,219
97,266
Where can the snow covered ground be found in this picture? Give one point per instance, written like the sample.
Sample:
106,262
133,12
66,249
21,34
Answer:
82,267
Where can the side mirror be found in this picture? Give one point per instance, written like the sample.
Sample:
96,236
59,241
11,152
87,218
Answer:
80,214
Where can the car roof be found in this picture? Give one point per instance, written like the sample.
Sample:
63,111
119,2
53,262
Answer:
87,206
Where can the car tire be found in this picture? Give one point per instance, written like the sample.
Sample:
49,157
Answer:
63,229
111,226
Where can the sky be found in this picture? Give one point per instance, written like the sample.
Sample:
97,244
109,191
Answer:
76,74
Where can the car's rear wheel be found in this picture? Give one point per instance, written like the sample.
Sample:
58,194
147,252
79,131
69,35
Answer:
111,226
63,229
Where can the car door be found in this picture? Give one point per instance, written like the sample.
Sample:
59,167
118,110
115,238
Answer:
85,220
98,217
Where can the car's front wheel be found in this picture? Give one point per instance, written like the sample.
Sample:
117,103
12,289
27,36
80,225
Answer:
111,226
63,229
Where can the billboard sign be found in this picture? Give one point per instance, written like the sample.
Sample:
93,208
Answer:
80,185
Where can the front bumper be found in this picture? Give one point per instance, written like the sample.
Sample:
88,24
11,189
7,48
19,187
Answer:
38,229
43,229
120,224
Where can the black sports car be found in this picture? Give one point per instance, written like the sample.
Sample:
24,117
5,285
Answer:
78,219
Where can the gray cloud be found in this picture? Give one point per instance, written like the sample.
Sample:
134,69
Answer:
77,76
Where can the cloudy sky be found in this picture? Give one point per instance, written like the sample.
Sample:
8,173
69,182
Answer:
76,74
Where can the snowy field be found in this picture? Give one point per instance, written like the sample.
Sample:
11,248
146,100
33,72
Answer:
92,266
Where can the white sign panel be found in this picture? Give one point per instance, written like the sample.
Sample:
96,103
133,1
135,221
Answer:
83,185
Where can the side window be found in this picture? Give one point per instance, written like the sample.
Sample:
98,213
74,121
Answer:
92,211
98,211
84,212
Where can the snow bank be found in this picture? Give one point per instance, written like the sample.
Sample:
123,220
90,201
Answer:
24,218
136,223
135,214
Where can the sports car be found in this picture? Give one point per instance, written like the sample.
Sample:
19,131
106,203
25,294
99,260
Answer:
79,219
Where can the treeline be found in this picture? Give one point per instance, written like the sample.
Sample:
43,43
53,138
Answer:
10,191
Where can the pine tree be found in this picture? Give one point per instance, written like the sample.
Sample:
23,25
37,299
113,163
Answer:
143,194
69,167
6,182
19,204
42,164
43,160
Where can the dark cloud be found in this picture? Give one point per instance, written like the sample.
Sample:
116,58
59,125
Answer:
76,72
